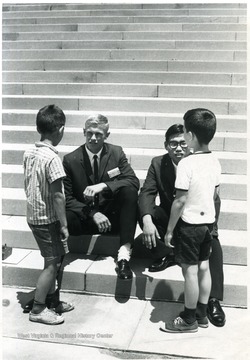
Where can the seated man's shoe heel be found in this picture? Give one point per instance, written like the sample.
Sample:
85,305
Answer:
162,264
123,270
215,313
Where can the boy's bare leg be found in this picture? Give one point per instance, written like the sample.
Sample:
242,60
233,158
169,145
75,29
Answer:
204,282
191,285
44,284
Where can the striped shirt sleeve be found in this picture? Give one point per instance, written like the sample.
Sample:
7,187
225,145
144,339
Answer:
55,170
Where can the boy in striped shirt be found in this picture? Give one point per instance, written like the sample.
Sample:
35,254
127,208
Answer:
43,174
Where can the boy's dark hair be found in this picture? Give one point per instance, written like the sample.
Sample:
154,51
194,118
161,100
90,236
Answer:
202,123
175,129
49,119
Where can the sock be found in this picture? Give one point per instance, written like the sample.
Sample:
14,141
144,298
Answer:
38,307
124,252
201,310
189,315
52,300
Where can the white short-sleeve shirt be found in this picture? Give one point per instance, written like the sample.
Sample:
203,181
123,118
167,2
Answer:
198,174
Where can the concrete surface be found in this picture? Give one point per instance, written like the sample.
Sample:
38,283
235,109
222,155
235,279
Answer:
106,327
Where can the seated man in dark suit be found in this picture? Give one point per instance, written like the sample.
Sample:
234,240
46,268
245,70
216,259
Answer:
153,219
102,190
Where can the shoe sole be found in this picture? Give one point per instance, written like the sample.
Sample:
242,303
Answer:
204,326
178,331
45,322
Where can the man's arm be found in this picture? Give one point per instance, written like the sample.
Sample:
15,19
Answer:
175,214
71,201
127,175
59,204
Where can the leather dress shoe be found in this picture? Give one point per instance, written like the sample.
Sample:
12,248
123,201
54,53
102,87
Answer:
123,270
162,264
215,313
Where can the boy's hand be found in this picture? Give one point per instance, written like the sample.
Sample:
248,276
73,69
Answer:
168,238
64,233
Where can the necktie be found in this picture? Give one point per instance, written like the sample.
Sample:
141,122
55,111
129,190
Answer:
96,200
95,169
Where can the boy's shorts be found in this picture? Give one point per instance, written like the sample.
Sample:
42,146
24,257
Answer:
48,239
192,242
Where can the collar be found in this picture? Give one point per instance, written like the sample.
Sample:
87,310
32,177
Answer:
91,155
44,144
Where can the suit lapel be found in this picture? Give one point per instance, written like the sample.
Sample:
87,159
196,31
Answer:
167,174
86,164
105,155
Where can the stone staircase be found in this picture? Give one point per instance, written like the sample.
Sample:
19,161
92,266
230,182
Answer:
143,66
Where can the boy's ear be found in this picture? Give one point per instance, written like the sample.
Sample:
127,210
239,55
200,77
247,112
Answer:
107,135
38,130
61,129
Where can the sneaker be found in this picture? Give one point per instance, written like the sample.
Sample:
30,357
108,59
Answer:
202,322
63,307
179,325
47,316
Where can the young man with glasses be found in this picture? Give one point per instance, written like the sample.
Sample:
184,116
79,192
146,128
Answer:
154,218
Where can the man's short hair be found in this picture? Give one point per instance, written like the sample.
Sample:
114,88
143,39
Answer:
97,120
49,119
202,123
175,129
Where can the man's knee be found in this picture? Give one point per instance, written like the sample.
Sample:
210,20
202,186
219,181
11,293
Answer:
128,194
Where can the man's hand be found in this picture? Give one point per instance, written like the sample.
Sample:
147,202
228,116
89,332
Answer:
64,233
102,222
150,232
92,190
167,238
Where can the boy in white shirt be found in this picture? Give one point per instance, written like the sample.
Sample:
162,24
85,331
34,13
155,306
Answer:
192,217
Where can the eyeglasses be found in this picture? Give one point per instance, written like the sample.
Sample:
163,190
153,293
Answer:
174,144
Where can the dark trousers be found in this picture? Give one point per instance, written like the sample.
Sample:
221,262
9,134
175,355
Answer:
121,212
160,219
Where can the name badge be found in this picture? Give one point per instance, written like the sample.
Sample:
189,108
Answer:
113,172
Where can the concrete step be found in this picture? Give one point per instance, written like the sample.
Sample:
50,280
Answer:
232,216
103,104
231,162
127,35
106,6
124,90
16,233
97,275
125,12
156,77
213,27
126,54
121,120
133,138
59,19
233,67
123,44
233,187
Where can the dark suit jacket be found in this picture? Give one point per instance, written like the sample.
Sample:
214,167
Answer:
160,180
79,175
